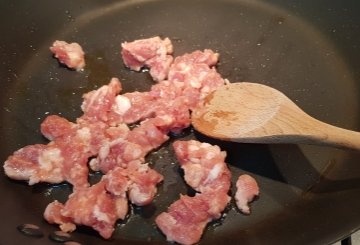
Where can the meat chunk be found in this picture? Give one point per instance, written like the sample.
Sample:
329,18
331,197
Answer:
92,206
119,131
138,142
98,103
102,204
191,77
118,153
117,181
138,180
107,105
186,218
247,190
55,126
133,107
65,158
207,57
176,114
143,181
196,74
146,105
149,134
77,147
153,53
69,54
206,172
52,163
75,157
204,166
35,163
53,215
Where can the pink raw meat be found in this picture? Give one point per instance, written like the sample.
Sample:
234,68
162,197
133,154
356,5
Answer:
102,204
186,218
204,166
101,134
206,172
70,54
247,190
92,206
153,53
97,103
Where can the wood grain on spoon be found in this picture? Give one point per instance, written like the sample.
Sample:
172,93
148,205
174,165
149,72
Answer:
255,113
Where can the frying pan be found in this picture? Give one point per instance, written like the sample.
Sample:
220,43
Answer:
308,50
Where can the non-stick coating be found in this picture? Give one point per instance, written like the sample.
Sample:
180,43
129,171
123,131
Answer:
309,51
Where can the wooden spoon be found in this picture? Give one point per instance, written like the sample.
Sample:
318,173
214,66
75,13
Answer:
255,113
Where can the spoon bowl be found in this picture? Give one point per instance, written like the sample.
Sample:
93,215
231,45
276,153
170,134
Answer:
255,113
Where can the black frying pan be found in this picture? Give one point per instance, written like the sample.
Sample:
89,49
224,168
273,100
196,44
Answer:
308,50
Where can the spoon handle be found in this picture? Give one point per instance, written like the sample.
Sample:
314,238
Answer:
326,134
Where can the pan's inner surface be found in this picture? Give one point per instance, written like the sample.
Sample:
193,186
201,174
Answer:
257,42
